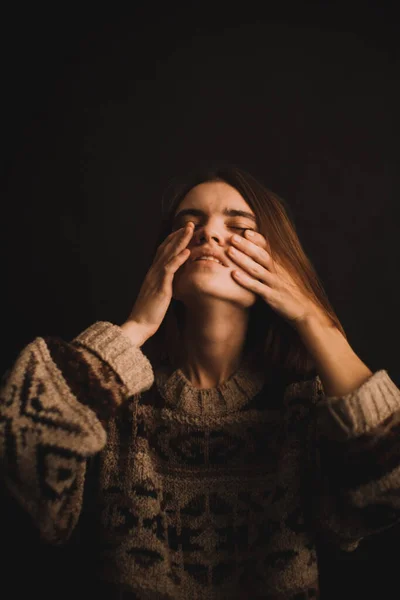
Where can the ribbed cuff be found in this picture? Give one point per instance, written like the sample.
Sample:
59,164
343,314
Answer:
110,343
360,411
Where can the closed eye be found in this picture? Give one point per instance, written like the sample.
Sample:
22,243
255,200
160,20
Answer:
240,228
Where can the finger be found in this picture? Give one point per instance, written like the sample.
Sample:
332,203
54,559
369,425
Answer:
248,282
258,254
176,261
256,238
176,233
177,245
249,265
176,238
180,252
183,238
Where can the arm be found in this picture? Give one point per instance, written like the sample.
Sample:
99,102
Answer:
340,369
357,468
54,403
356,440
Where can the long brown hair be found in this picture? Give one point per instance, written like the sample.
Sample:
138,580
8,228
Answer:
272,344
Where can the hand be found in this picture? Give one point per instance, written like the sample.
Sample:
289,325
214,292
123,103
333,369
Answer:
270,280
156,292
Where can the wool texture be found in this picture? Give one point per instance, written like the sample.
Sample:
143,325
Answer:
206,494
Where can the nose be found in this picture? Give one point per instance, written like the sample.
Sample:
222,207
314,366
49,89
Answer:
205,234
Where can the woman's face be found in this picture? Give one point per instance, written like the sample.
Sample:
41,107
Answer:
209,204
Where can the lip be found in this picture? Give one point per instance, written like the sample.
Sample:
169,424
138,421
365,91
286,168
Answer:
210,253
207,262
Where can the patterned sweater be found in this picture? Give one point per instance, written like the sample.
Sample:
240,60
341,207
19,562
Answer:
195,493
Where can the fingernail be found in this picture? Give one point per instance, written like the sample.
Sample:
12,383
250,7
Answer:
250,233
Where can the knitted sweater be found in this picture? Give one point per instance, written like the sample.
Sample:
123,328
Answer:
195,493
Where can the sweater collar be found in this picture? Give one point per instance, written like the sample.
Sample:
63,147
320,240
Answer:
227,397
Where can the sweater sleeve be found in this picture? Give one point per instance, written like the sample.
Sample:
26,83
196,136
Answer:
356,455
54,403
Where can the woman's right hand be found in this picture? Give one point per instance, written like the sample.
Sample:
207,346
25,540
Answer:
155,293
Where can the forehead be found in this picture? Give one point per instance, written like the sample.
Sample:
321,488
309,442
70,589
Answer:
213,195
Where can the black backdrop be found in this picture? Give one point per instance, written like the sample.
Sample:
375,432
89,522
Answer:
101,110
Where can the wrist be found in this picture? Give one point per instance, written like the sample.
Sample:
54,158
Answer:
313,319
135,332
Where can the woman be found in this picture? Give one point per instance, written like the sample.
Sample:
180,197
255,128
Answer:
205,443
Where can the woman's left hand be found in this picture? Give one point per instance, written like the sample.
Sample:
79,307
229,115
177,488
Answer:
270,280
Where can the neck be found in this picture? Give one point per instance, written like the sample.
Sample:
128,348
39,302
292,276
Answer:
213,343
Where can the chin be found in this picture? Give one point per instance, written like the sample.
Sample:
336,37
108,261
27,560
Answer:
212,288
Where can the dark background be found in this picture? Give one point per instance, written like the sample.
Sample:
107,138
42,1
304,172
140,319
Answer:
101,110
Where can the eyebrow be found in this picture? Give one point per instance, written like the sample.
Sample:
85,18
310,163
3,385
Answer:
229,212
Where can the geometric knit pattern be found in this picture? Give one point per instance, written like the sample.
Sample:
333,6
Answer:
200,494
